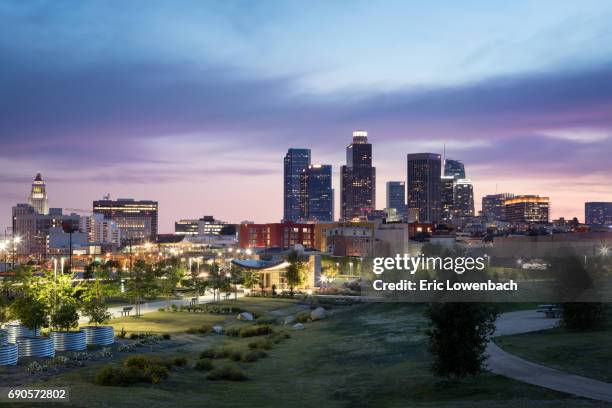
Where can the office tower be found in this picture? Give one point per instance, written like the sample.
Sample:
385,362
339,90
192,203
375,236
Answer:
34,228
207,225
296,161
396,197
527,209
447,198
493,206
38,195
598,213
358,179
317,193
424,185
463,198
100,231
137,220
454,168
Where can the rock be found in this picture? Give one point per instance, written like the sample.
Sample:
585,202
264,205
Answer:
318,314
289,320
217,329
245,316
298,326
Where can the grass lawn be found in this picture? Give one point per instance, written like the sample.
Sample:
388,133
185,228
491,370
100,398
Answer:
584,353
368,355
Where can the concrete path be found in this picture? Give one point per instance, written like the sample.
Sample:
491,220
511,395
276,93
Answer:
509,365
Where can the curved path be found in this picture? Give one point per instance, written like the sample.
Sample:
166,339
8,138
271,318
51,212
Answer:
509,365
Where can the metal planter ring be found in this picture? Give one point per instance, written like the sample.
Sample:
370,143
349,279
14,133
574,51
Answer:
99,335
35,347
16,331
8,354
3,337
68,341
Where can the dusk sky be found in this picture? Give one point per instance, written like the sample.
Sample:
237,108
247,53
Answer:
194,104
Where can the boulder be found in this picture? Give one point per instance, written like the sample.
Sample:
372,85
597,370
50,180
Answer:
298,326
318,314
246,316
289,320
217,329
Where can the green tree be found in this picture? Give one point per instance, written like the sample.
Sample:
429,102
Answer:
458,336
295,273
65,316
31,312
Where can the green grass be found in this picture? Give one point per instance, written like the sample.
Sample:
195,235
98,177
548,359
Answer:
584,353
166,322
370,355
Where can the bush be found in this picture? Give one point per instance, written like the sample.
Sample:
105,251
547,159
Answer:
303,317
258,330
204,364
134,336
166,336
232,331
227,373
65,317
205,328
260,345
122,333
117,376
253,356
216,353
266,320
235,355
276,338
583,316
179,361
161,309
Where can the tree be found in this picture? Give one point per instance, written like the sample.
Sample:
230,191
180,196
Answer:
65,316
171,273
250,279
295,271
141,283
30,311
96,311
458,337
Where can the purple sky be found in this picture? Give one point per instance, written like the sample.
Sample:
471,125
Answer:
196,106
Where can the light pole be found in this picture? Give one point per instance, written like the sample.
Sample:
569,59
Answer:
16,241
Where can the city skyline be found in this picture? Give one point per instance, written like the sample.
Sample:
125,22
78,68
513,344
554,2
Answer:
107,107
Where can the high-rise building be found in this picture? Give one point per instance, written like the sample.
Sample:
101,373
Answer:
137,220
317,193
207,225
358,179
463,198
424,185
296,161
527,209
598,213
100,231
38,195
454,168
34,228
396,197
493,206
447,198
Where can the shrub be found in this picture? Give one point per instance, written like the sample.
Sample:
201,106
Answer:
166,336
133,336
266,320
161,309
235,355
205,328
258,330
232,331
204,364
303,317
117,376
216,353
253,356
179,361
226,373
260,345
122,333
276,338
97,312
65,317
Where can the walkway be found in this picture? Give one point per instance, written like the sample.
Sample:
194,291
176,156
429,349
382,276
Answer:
511,366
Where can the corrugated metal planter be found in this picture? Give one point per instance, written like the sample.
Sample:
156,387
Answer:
35,347
3,337
99,335
8,354
68,341
16,330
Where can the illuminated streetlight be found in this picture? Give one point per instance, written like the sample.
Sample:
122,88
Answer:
604,250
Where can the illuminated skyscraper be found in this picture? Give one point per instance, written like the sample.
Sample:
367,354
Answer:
358,179
423,176
493,206
296,162
317,193
38,195
527,209
447,198
463,198
137,220
598,213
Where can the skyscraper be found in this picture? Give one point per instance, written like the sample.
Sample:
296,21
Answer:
296,161
424,185
317,193
396,197
358,179
454,168
463,198
38,195
137,220
493,206
598,213
447,198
